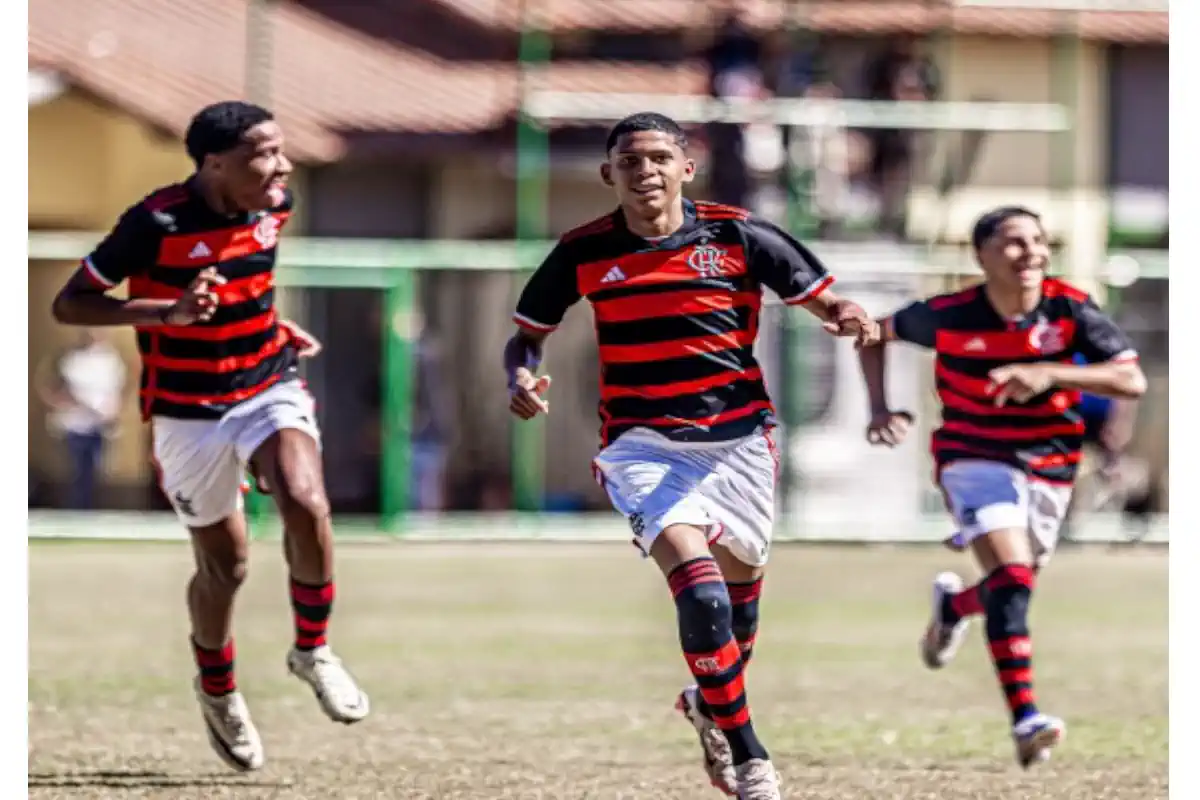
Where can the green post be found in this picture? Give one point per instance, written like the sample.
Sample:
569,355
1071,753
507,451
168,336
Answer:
802,223
533,189
1065,151
399,333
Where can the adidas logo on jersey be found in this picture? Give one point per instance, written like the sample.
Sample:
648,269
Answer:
976,345
200,251
613,275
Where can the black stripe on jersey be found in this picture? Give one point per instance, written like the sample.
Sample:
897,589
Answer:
212,383
1015,423
673,370
729,396
980,367
722,432
235,270
666,329
205,349
737,283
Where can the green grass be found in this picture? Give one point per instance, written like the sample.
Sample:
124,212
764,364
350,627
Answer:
548,671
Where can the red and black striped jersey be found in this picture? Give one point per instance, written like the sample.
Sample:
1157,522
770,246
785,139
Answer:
1043,436
159,245
676,319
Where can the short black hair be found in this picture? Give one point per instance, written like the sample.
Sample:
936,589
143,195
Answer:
220,127
646,121
987,225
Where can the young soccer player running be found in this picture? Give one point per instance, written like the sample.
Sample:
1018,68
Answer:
221,391
1010,439
676,287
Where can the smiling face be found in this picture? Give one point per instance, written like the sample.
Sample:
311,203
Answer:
1015,257
254,174
647,169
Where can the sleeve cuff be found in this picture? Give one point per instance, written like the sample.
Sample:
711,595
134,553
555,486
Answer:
812,291
96,275
532,324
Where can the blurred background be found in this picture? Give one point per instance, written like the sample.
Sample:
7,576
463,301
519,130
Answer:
443,144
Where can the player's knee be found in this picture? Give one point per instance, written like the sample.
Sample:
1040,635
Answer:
705,614
301,494
1008,591
222,572
745,620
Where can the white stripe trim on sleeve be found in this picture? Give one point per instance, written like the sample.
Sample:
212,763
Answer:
97,274
532,324
811,291
1125,355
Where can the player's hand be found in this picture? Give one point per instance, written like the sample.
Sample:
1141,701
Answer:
525,394
307,345
850,320
888,428
199,301
1019,382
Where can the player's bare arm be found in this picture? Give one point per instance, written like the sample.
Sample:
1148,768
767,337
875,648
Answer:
82,302
1022,382
842,317
887,427
307,345
522,356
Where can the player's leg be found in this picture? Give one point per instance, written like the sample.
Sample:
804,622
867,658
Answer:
199,474
705,617
740,493
280,439
993,504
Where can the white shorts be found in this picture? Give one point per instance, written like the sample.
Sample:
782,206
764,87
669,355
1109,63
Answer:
727,489
985,496
201,461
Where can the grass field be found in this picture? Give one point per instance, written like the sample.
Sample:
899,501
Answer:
548,671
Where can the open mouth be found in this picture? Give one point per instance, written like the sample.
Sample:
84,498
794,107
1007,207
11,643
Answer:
646,191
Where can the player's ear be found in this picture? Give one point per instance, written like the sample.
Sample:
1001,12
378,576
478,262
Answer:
689,170
606,173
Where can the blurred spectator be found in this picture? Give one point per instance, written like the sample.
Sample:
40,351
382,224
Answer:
823,151
899,73
431,426
83,389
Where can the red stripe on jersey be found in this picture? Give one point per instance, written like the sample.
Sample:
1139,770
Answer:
196,250
655,267
210,399
1042,340
238,291
166,197
230,364
216,333
956,299
598,225
1059,402
671,304
709,210
1055,287
677,348
1056,460
663,390
1000,434
979,388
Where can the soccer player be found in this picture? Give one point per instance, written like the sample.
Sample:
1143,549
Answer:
220,390
687,457
1010,439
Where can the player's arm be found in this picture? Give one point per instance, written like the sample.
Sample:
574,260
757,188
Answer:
1112,367
915,323
551,290
128,250
784,265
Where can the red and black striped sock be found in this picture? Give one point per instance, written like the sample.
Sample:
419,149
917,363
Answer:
744,597
311,607
1009,590
967,603
216,669
713,654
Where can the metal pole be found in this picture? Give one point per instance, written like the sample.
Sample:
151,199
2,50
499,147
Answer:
533,160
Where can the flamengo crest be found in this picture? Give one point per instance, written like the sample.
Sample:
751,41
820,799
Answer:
707,260
266,232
